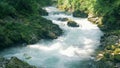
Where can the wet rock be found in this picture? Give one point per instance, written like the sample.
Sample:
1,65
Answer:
63,19
72,24
79,13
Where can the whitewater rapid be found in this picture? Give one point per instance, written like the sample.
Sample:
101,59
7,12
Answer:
67,51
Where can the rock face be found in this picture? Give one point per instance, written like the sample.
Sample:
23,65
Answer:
79,13
14,63
72,24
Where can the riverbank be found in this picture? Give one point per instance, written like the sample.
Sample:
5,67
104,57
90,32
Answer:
21,23
26,25
109,49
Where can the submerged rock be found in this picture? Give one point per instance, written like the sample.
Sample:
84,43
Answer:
79,13
63,19
72,24
14,62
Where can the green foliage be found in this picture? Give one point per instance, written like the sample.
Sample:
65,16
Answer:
109,10
86,5
21,22
24,7
6,9
45,2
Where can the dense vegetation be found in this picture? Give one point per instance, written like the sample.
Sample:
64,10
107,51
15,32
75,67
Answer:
21,22
109,10
108,14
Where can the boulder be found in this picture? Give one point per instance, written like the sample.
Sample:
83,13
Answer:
79,13
72,24
63,19
14,62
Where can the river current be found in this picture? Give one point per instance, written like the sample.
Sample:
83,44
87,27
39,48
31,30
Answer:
67,51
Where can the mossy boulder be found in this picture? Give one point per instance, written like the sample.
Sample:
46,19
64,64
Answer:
79,13
14,62
72,24
28,30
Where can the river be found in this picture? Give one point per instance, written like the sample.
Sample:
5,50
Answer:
67,51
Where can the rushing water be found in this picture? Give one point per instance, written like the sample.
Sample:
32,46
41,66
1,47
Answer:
68,51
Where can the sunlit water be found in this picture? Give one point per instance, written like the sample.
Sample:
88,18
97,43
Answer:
68,51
